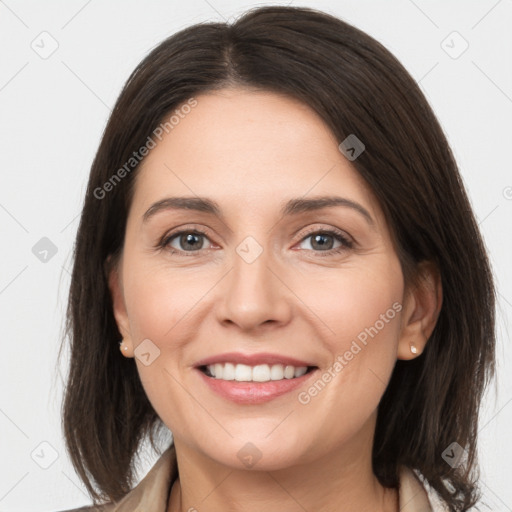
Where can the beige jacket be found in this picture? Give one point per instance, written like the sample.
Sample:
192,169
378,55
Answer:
152,492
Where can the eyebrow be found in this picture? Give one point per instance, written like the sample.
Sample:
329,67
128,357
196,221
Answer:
291,207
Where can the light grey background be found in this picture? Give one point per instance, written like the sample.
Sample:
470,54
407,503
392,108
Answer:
53,109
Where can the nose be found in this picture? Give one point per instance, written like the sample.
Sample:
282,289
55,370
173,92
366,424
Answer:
254,295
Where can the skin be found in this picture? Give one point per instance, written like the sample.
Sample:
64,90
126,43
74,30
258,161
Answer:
250,151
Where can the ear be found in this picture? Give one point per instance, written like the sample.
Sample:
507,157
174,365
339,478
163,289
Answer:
421,310
115,285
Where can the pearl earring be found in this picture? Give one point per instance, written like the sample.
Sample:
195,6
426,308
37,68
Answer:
121,347
414,350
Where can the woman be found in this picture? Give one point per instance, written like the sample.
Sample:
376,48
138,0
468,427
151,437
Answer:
276,229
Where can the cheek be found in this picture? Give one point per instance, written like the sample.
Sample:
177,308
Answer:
362,306
354,303
157,301
160,305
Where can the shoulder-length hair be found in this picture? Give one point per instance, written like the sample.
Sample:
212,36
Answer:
357,87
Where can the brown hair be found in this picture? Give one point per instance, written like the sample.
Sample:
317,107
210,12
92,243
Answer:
357,87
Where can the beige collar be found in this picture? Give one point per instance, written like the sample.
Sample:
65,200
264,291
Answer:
153,490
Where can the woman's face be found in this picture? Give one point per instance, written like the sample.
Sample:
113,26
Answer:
267,275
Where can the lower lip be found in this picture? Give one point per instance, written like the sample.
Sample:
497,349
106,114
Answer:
253,392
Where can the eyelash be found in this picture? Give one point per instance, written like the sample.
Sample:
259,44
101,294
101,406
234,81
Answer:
345,242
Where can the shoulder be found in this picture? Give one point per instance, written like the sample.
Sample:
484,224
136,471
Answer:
151,493
415,493
90,508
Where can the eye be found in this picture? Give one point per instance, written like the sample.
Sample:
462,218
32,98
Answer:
185,241
324,241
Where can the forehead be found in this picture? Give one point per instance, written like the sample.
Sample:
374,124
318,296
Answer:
260,146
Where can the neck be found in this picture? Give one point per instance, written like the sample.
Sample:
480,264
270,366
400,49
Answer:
340,480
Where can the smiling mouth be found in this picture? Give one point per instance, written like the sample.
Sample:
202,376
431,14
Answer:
257,373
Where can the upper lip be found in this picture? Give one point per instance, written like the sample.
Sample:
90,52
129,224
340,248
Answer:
252,359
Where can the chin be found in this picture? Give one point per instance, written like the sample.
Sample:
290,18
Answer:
256,453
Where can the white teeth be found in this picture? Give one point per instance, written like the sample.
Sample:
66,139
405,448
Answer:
258,373
261,373
300,371
289,372
228,372
243,372
276,372
217,369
